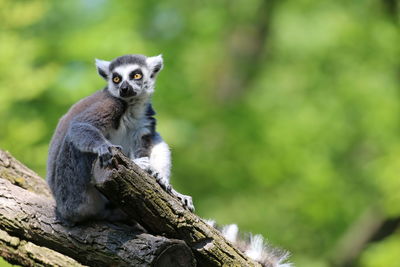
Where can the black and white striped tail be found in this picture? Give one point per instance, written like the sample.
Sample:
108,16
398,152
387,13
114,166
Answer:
254,246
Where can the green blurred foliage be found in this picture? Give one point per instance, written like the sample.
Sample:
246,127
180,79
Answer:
4,263
283,116
383,254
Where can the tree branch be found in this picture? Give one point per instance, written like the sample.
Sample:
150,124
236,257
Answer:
142,198
19,175
27,219
371,226
25,253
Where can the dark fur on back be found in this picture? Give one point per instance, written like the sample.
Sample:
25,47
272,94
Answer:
76,110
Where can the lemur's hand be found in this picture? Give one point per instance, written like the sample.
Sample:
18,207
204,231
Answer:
105,154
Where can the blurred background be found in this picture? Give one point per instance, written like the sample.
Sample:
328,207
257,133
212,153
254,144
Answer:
282,116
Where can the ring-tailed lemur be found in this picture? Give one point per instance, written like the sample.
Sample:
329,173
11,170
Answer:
120,115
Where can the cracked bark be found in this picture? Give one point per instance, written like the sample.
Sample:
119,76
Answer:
30,235
141,197
26,253
27,214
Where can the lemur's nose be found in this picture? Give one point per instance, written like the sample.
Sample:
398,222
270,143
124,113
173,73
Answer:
126,90
124,87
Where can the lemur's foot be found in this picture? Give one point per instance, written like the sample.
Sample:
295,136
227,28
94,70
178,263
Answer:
164,182
186,200
143,163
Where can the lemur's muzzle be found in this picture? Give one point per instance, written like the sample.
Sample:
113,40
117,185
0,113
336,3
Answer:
126,90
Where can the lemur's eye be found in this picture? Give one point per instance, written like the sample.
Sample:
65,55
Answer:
116,79
137,76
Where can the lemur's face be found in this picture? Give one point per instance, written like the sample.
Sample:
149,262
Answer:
128,80
130,76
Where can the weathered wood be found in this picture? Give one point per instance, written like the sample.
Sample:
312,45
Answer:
18,174
31,236
31,217
25,253
141,197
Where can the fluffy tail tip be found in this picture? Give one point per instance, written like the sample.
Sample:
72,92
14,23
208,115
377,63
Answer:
230,232
258,250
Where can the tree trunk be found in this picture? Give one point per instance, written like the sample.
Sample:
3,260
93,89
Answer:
30,235
142,198
26,253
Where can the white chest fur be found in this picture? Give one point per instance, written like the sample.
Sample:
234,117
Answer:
132,127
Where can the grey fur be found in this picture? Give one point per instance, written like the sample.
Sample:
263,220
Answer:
128,60
95,124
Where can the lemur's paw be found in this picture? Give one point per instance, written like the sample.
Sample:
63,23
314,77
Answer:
164,182
105,154
186,200
143,163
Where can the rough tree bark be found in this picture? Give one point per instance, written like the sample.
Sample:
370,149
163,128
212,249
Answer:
30,235
27,220
141,197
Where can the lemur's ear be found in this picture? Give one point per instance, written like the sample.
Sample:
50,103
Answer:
155,65
103,68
